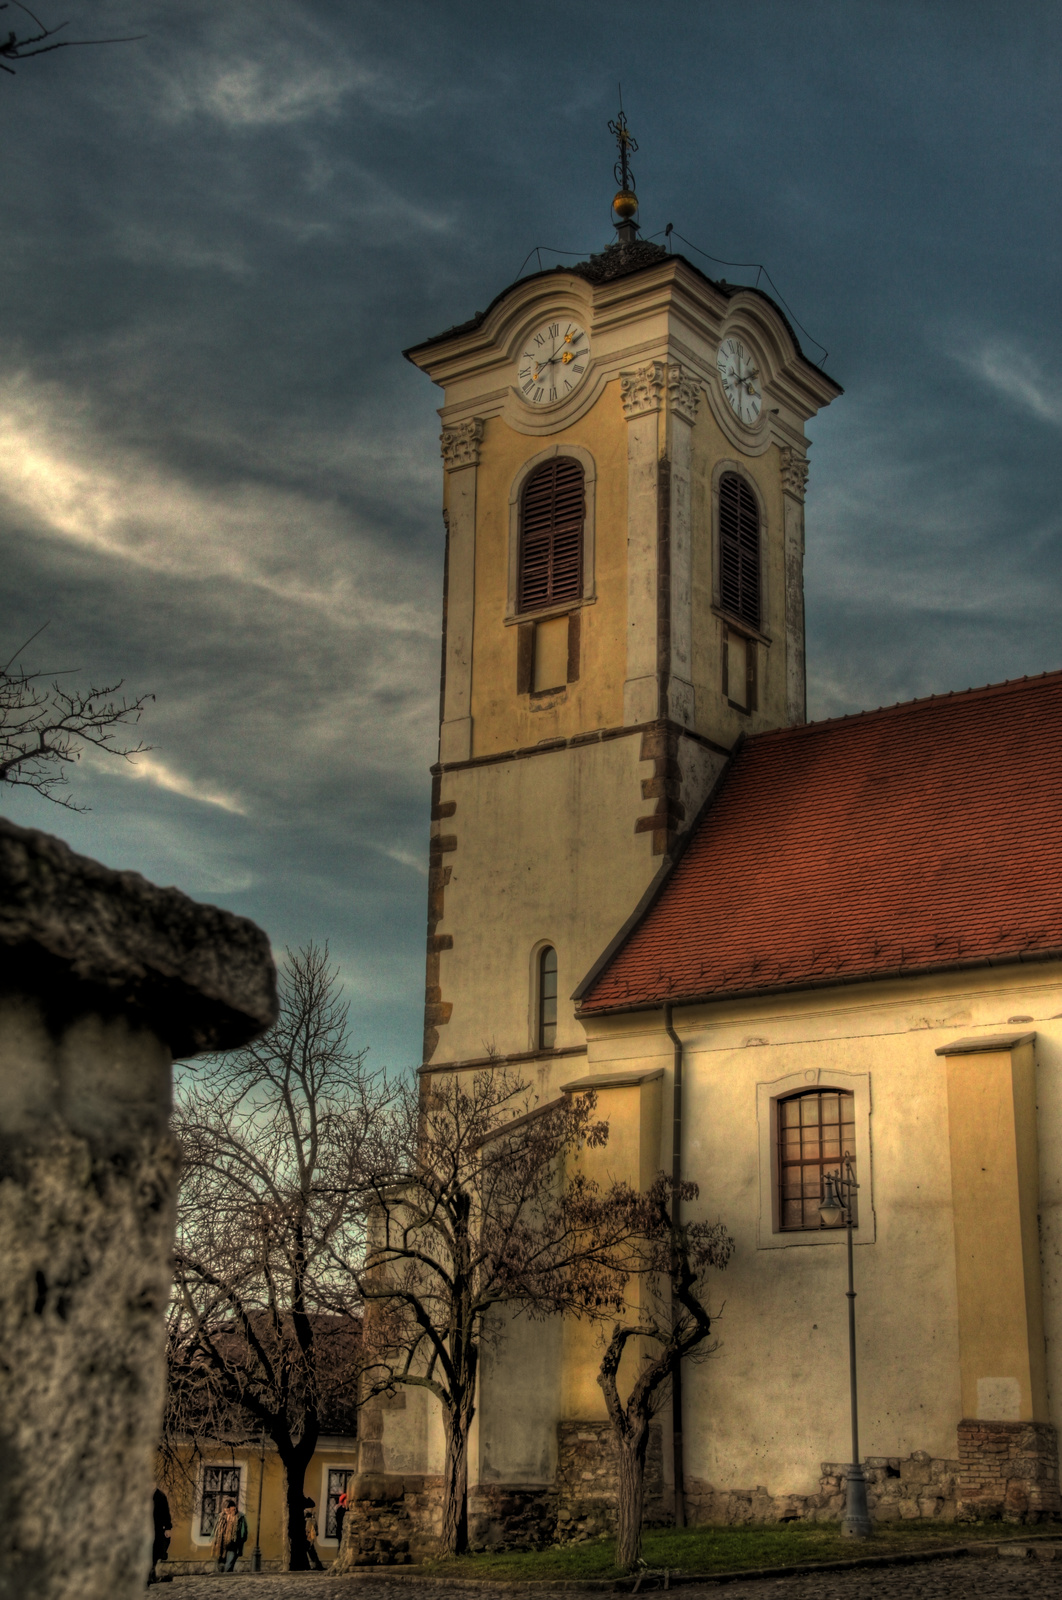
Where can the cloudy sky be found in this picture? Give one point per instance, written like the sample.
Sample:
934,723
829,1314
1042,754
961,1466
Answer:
220,480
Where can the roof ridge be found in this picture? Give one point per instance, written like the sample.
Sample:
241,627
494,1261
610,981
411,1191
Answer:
985,690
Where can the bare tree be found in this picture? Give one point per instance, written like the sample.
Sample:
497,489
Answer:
43,727
279,1139
667,1264
21,44
477,1215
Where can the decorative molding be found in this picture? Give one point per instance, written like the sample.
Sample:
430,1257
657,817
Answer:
683,392
460,444
794,472
642,390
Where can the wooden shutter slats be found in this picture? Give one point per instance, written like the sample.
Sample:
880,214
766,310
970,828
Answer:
551,535
739,549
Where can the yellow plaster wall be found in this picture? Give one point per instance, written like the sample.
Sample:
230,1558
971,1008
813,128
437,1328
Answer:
995,1195
182,1493
502,719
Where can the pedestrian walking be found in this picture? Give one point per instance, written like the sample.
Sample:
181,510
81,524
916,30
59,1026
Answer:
311,1535
230,1536
341,1517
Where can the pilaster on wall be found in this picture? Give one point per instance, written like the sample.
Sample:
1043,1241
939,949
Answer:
659,682
794,481
460,452
995,1194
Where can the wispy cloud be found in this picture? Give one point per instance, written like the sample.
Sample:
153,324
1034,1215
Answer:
1009,369
150,769
77,485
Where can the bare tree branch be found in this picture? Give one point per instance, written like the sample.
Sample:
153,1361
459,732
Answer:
20,47
44,727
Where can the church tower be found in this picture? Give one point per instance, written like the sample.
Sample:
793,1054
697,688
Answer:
624,464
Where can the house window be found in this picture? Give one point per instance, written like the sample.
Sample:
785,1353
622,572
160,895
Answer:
219,1484
815,1129
552,511
547,998
739,549
338,1479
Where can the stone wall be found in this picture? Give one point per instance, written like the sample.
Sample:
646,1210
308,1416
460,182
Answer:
393,1519
1008,1470
586,1481
912,1488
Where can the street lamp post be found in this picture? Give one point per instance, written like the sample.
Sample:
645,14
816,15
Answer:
256,1559
836,1208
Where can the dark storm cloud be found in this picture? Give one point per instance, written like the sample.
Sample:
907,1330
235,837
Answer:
220,478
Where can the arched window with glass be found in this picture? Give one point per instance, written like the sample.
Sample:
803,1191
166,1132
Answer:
552,513
739,549
546,1028
815,1130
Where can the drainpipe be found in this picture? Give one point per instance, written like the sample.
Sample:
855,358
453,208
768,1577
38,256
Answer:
676,1179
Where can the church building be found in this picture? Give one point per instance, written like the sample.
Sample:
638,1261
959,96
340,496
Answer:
648,869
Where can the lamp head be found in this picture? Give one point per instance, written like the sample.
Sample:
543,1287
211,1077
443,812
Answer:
831,1209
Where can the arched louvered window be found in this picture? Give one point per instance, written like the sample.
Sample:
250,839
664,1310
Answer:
739,549
547,998
551,535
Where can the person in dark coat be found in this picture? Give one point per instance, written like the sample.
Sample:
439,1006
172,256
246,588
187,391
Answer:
162,1528
341,1517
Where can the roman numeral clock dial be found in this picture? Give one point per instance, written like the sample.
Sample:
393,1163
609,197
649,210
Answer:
553,362
740,377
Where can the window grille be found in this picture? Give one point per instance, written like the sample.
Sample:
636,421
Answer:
219,1484
739,549
338,1479
547,998
551,535
814,1131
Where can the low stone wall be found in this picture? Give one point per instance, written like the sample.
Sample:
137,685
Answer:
1008,1470
911,1488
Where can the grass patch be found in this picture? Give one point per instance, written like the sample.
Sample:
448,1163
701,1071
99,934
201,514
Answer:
721,1549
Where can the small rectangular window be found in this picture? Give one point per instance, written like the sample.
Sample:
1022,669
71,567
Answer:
219,1484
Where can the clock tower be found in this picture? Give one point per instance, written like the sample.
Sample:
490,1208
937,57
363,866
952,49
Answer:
624,463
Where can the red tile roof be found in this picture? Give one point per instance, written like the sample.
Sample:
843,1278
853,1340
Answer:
925,835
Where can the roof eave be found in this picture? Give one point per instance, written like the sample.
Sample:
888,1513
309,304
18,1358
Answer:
866,975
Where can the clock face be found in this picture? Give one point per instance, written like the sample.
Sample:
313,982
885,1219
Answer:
552,362
739,374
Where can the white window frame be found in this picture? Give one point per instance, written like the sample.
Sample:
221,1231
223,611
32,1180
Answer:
322,1520
228,1465
769,1235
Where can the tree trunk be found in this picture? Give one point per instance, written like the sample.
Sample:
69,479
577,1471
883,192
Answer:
631,1496
455,1485
295,1463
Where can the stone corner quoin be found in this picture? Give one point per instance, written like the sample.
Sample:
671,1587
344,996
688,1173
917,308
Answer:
199,977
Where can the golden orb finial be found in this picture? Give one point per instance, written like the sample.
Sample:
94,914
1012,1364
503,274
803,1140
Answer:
625,204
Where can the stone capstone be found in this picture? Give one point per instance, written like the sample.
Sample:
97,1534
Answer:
199,977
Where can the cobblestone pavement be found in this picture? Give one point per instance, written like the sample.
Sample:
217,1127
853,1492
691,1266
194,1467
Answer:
972,1578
